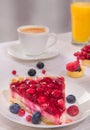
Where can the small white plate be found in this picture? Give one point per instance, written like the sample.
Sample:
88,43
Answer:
83,101
16,51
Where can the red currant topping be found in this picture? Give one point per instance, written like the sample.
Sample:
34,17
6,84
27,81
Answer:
41,99
30,91
14,72
48,92
28,118
56,93
43,71
61,103
73,110
21,112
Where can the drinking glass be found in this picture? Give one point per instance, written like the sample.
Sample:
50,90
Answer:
80,21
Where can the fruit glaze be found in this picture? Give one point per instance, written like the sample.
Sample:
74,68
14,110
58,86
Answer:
46,95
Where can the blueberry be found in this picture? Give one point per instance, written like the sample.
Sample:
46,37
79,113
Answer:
40,65
78,69
32,72
36,118
14,108
71,99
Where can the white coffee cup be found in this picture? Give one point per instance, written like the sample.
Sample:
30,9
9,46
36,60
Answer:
35,39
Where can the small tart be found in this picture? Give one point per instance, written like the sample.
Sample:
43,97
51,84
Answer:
86,63
76,74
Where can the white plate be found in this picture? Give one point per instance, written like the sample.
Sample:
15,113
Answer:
83,101
16,51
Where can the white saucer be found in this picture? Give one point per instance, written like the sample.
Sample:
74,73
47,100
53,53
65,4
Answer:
16,51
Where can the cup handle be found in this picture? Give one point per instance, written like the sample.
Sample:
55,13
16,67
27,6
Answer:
52,39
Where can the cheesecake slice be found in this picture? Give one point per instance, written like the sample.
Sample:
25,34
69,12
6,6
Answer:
43,94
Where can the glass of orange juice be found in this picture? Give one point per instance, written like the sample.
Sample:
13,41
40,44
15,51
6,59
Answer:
80,19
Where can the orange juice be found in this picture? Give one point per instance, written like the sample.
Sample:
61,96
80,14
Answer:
80,15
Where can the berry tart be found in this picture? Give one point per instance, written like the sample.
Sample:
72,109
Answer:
44,96
74,69
84,55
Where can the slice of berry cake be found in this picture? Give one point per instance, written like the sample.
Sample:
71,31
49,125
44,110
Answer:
45,94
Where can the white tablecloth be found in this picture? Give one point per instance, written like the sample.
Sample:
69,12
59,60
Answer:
54,65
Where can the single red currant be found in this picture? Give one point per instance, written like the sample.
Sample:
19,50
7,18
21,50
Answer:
21,112
28,118
43,71
14,72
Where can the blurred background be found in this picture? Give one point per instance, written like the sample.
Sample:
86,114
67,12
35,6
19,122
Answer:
52,13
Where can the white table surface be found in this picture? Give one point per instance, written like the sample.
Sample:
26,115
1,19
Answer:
54,65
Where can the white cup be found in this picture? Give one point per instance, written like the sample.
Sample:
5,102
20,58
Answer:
35,39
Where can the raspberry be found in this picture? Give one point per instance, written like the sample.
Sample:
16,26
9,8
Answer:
73,66
70,66
73,110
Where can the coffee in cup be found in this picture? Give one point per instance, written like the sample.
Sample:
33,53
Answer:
34,39
33,30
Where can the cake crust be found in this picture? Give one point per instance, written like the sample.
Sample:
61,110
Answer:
86,63
76,74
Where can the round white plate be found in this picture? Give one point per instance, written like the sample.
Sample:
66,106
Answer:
83,101
16,51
